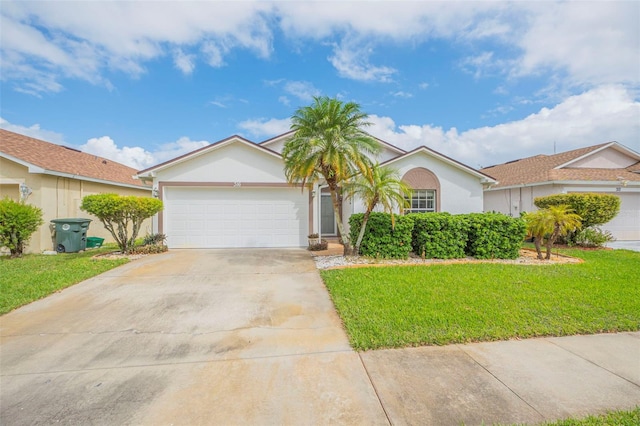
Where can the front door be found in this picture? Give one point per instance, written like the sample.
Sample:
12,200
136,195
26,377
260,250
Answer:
327,218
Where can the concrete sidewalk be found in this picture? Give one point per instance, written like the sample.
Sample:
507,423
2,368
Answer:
528,381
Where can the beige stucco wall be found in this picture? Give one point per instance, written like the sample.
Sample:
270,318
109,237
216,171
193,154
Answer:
607,159
59,197
625,226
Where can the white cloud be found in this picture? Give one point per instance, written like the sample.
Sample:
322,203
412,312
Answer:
104,146
33,131
184,62
284,100
351,60
303,90
599,115
82,39
423,85
263,127
585,44
594,42
138,157
401,94
180,147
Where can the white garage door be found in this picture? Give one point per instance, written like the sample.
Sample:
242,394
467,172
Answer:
235,217
626,225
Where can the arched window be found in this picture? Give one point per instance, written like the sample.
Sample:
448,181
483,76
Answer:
426,191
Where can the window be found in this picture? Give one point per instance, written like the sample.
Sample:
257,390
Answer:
421,201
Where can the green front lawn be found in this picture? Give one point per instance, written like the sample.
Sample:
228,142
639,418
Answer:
613,418
399,306
35,276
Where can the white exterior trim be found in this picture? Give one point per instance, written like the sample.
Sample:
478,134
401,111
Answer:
483,178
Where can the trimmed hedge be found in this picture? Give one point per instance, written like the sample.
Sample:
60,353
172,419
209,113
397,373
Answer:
594,209
494,235
380,239
439,235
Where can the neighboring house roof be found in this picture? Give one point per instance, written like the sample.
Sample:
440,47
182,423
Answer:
48,158
558,167
146,173
483,176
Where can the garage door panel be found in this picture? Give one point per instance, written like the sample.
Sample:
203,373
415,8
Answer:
626,225
235,217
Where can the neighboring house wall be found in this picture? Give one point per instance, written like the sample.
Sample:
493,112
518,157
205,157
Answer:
513,201
59,197
625,226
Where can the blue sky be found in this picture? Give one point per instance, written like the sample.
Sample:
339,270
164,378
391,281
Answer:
142,82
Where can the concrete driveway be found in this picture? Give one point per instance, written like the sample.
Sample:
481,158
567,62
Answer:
188,337
251,337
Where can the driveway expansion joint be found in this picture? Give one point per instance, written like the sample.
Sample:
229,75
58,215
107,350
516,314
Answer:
542,417
594,364
375,390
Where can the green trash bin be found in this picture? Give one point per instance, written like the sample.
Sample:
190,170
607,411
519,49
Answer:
71,234
94,242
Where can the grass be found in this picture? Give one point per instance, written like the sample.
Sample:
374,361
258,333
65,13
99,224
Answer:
613,418
35,276
398,306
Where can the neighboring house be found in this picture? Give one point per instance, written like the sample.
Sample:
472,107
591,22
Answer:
58,177
234,193
608,168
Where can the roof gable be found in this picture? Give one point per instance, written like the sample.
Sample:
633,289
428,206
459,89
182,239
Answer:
205,150
567,166
49,158
485,178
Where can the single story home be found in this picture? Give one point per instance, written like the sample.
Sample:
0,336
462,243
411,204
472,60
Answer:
57,178
234,193
609,168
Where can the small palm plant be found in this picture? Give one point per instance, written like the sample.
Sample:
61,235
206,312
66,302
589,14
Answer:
382,186
551,222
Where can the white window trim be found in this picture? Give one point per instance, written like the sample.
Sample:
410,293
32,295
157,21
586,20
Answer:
428,195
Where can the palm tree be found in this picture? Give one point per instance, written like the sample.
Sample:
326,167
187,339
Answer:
554,222
382,186
564,221
539,224
329,144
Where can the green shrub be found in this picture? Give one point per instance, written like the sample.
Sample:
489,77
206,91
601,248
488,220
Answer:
149,249
153,239
121,215
593,237
381,240
439,235
18,222
593,209
494,235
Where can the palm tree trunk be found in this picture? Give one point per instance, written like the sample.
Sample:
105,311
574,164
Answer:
538,243
363,227
551,240
336,212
